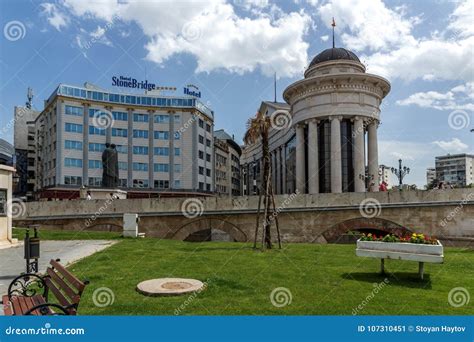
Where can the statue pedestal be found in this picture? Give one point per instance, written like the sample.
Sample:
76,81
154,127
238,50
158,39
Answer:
103,193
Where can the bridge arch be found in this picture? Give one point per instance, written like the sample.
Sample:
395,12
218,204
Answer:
206,223
362,223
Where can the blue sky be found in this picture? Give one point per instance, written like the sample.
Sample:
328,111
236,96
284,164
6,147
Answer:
231,49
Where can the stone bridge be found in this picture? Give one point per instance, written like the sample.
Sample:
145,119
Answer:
447,214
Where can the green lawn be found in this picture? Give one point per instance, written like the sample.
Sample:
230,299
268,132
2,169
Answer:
19,233
323,280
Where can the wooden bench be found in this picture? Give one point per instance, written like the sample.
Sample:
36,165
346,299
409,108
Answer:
28,293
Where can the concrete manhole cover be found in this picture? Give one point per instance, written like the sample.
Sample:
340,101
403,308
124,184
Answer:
169,286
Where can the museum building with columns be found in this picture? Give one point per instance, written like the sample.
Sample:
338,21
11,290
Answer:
329,143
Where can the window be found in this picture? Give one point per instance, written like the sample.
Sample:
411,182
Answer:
96,131
177,151
140,133
177,184
95,164
74,128
201,170
161,151
119,132
201,155
161,135
140,117
208,187
208,172
140,150
73,145
140,183
72,180
140,167
123,182
162,119
201,139
177,168
161,167
208,143
208,128
177,135
122,165
201,123
95,181
72,110
122,149
120,116
208,157
161,184
96,147
177,118
201,186
72,162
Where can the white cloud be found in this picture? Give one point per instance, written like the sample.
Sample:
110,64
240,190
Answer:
55,17
214,33
390,49
458,98
372,25
325,38
455,145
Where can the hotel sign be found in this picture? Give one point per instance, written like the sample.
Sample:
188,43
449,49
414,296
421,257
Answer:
192,90
130,82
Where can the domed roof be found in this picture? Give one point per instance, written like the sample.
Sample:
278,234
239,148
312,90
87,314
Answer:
334,54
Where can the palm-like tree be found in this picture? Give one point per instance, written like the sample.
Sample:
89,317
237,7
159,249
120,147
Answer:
258,128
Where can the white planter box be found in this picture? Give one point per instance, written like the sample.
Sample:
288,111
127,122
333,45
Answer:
402,247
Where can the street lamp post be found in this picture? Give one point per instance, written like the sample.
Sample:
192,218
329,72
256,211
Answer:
367,179
400,173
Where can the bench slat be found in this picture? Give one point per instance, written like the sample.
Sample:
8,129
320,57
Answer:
73,296
7,306
30,304
37,300
16,306
57,293
79,285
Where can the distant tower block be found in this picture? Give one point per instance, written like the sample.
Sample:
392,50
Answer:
29,95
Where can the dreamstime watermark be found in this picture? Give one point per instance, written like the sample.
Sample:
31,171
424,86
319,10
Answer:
281,207
103,119
377,288
186,125
95,38
191,31
14,30
365,123
453,213
102,297
100,211
459,119
191,298
458,296
192,208
21,111
16,207
280,297
46,330
370,208
281,119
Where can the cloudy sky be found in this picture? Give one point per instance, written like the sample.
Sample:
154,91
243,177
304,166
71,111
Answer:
231,49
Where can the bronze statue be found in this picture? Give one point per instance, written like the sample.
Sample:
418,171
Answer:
110,176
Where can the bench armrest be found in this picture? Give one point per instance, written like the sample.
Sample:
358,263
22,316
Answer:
44,309
27,285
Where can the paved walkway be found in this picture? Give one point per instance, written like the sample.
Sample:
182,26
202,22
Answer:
12,262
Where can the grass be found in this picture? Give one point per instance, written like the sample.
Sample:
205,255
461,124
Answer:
322,279
19,233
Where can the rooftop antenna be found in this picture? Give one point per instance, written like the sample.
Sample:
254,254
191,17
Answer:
275,86
29,95
333,24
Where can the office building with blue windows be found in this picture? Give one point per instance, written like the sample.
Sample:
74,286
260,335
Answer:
163,142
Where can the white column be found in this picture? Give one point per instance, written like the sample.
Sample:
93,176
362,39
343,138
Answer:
373,156
313,173
358,152
336,167
300,162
